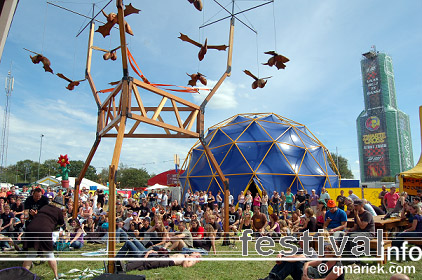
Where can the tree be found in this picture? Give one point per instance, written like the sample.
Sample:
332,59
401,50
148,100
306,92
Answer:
132,177
76,167
342,166
103,176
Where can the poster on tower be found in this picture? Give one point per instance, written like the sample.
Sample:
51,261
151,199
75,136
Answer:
371,83
375,146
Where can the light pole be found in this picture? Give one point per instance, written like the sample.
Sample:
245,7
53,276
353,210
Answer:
39,159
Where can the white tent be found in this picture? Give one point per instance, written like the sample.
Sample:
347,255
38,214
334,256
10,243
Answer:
176,192
48,181
86,183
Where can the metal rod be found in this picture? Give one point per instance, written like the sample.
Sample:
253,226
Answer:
39,159
205,25
76,13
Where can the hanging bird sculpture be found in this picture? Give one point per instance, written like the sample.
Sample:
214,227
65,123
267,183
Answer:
258,83
197,4
37,58
111,54
45,61
194,79
72,84
203,47
112,20
277,59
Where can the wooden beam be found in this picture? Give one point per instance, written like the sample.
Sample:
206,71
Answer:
113,123
112,175
230,51
164,109
163,125
123,48
164,93
140,135
134,127
188,119
223,179
82,175
161,120
111,95
139,100
176,113
93,89
192,120
158,110
89,53
100,121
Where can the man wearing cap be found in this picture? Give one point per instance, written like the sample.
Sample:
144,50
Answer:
364,225
390,199
335,219
314,201
324,195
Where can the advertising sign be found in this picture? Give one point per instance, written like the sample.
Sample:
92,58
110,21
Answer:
371,83
375,146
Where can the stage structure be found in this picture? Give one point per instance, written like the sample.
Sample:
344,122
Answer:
123,110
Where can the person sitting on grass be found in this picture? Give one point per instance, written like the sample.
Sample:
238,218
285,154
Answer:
181,239
76,235
274,226
245,222
259,222
309,221
161,234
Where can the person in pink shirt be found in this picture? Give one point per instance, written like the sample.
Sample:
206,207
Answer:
257,200
390,199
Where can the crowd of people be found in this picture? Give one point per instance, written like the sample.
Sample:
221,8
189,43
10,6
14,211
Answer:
155,224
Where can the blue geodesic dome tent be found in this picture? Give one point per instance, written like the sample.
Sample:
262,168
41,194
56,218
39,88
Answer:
257,152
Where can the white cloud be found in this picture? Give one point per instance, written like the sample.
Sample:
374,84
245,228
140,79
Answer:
224,98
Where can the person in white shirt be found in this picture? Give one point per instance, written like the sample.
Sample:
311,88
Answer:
164,199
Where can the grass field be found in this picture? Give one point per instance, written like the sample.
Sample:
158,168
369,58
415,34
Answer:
205,270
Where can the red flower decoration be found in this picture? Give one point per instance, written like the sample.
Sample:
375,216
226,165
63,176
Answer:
63,160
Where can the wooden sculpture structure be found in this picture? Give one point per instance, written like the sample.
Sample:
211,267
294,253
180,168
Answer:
125,103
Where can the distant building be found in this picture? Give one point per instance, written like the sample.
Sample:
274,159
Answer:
384,139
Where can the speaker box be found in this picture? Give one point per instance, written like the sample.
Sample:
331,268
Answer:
109,276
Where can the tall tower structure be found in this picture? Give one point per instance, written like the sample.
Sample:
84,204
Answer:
384,139
5,130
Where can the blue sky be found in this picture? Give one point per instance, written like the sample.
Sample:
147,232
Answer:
321,86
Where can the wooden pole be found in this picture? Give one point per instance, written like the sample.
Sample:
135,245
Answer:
82,175
121,21
420,123
90,42
225,182
112,176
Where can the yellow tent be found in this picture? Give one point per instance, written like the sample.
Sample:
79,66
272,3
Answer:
411,180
